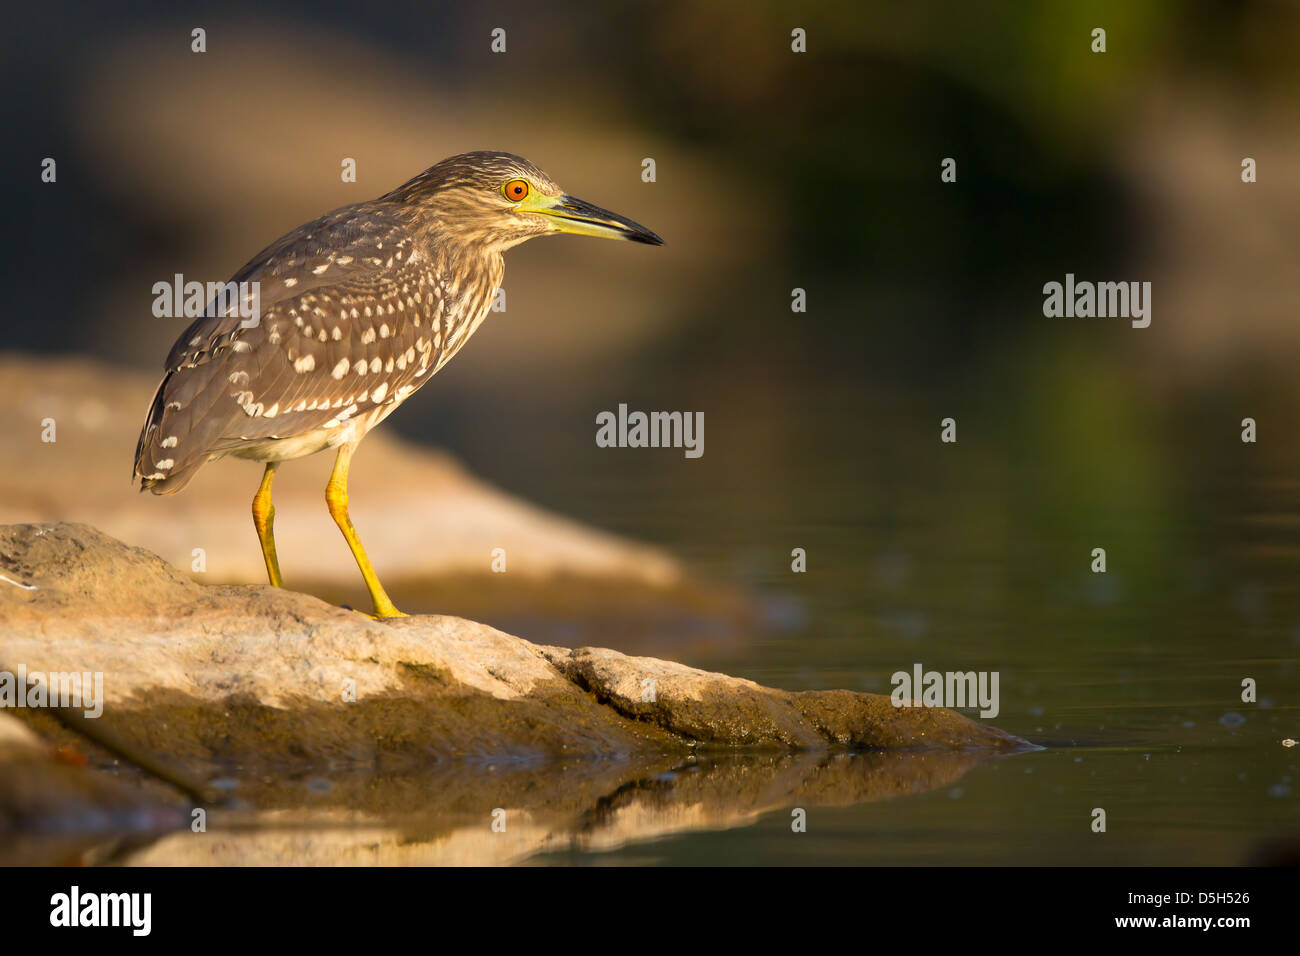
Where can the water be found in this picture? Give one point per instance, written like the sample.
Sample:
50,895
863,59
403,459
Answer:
979,556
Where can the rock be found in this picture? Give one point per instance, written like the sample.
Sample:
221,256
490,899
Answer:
421,514
264,676
17,742
585,745
714,708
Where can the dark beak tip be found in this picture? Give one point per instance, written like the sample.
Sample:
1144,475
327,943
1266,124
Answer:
582,211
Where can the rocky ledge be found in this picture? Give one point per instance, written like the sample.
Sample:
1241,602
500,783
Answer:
205,676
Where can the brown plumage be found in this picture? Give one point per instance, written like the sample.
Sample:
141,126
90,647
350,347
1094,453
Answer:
359,308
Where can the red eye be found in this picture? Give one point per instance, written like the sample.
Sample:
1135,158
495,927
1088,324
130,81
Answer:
516,190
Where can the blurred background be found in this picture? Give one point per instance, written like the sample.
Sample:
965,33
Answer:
778,170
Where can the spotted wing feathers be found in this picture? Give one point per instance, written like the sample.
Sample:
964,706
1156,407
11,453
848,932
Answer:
349,326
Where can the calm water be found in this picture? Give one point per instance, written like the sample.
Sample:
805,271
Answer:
977,556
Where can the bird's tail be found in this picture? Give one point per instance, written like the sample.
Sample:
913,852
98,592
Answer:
160,469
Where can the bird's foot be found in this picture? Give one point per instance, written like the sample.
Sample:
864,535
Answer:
379,614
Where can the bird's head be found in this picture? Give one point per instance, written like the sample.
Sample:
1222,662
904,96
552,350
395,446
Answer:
499,200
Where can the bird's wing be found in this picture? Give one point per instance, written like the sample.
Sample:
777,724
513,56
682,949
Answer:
332,355
323,252
340,333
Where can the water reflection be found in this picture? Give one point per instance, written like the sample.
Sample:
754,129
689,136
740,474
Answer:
503,813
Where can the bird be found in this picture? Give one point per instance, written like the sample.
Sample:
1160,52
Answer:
358,309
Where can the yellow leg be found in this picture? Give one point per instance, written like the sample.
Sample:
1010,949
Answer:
336,497
264,522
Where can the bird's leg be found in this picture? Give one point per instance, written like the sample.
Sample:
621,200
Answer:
264,522
336,497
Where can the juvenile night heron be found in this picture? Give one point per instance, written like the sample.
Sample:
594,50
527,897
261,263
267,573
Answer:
359,308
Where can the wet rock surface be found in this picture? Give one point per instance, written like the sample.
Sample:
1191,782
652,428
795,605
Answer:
214,676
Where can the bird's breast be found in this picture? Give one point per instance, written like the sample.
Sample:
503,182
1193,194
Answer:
465,297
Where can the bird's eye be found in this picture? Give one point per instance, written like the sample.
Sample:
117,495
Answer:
516,190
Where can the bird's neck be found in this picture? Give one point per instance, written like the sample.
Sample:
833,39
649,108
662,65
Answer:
467,281
465,269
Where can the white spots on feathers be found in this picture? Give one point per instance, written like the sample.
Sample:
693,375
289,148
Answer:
342,416
422,314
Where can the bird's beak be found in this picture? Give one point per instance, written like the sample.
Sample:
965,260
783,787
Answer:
570,214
